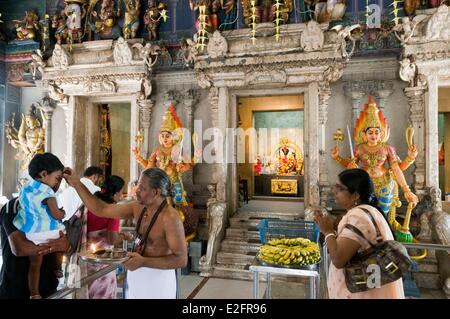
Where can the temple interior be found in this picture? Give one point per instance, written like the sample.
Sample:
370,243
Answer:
252,108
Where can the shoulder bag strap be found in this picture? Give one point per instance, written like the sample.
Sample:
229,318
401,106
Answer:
379,238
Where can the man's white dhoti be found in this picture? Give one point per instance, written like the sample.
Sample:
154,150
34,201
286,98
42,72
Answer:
151,283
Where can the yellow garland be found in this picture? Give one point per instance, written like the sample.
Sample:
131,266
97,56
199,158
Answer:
396,10
277,19
253,19
202,34
367,12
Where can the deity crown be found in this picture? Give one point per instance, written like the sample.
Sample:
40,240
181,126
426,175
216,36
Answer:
170,121
371,116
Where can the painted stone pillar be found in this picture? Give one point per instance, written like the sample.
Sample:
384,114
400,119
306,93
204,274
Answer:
145,111
48,107
416,103
324,98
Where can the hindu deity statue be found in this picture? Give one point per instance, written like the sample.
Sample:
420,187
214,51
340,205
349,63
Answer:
75,12
28,27
230,8
152,17
212,8
131,23
266,10
167,156
380,160
29,139
60,26
103,20
289,158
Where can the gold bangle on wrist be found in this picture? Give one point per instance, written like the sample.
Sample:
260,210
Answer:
406,189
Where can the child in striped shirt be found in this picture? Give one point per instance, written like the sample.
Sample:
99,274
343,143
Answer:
39,216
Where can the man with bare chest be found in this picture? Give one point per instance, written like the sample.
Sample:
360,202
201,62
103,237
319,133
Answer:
159,246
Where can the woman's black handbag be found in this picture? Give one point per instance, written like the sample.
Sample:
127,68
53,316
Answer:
382,263
74,227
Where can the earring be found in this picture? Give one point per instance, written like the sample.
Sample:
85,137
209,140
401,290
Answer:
356,203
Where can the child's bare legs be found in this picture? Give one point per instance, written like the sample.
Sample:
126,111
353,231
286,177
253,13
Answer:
59,272
34,274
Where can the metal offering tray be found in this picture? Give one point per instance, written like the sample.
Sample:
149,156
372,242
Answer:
105,256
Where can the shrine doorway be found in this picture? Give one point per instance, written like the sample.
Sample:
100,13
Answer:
109,134
444,145
271,138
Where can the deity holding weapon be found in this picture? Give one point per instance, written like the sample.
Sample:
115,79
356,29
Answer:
60,26
131,23
168,157
29,138
103,21
380,160
152,17
28,27
74,11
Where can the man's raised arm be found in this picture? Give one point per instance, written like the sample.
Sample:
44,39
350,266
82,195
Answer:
94,204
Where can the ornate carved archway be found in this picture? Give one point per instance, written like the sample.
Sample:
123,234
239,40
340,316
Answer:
100,72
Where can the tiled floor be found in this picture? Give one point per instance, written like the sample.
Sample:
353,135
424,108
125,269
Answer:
217,288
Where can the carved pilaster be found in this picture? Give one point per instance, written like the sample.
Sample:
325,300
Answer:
145,111
213,98
382,90
69,112
324,98
416,103
170,97
356,91
48,107
190,98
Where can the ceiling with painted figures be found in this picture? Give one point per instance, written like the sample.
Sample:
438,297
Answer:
28,25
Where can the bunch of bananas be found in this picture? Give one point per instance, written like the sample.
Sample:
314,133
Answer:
290,251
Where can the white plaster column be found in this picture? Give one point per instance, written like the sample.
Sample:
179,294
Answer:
431,133
312,157
324,98
48,107
69,112
189,100
415,97
134,127
218,114
145,110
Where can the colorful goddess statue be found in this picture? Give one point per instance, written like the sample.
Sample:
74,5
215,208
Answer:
75,12
28,27
29,138
167,156
103,20
380,160
289,158
131,23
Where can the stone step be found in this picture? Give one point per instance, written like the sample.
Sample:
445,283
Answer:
262,214
240,247
428,267
427,280
241,234
234,258
247,224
